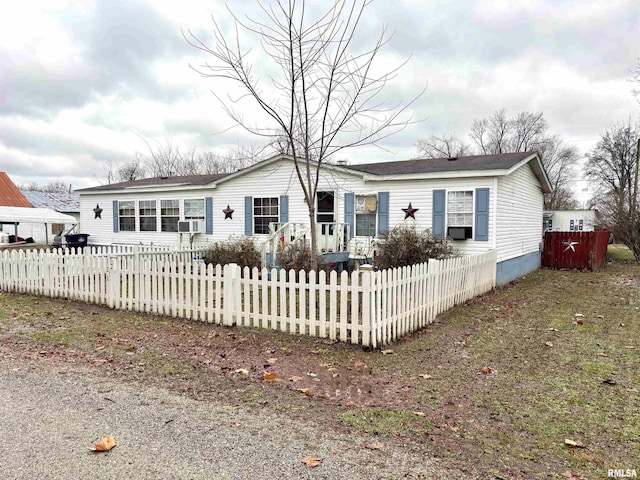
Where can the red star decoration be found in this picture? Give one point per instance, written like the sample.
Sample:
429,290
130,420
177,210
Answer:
410,212
228,212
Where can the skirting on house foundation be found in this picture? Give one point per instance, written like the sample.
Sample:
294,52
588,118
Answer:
513,268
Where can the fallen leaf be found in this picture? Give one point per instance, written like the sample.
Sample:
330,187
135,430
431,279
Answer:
272,360
609,381
602,354
104,445
350,404
99,347
419,414
632,390
486,370
579,315
312,461
387,352
294,378
553,329
549,344
359,363
574,444
270,376
579,321
244,371
306,391
309,374
331,369
325,365
425,376
571,476
375,446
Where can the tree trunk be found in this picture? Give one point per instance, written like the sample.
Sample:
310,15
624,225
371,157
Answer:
314,239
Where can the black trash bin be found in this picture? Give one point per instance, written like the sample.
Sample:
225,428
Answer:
76,240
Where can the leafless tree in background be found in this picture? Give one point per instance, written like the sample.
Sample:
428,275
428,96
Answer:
52,187
612,168
324,96
523,132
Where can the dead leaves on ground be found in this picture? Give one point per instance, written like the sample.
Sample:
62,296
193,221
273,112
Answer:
104,445
375,446
270,376
574,444
312,461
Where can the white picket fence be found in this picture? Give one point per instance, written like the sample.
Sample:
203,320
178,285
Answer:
364,307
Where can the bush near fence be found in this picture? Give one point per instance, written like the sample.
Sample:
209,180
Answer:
362,307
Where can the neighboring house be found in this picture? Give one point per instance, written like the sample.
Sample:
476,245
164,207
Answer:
484,202
68,203
570,220
19,219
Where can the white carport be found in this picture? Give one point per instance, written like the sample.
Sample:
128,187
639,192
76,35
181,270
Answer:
33,218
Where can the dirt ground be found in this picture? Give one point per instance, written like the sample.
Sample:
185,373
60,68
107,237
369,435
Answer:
428,391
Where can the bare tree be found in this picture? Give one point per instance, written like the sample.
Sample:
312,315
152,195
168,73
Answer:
56,186
447,146
325,98
523,132
612,167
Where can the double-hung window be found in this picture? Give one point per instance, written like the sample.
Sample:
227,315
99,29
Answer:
169,215
127,216
460,209
366,207
265,211
194,209
147,212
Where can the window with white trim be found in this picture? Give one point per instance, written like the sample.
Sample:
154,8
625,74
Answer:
460,208
194,209
169,215
366,206
147,212
127,216
265,211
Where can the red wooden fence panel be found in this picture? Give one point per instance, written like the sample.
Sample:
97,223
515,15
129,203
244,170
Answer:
581,250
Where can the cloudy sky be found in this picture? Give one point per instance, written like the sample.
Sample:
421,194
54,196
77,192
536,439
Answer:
84,83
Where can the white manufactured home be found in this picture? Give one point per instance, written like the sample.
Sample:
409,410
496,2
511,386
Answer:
570,220
483,202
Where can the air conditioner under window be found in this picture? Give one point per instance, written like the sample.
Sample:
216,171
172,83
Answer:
459,233
191,226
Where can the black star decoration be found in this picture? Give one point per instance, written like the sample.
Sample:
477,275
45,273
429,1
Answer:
410,212
228,212
97,211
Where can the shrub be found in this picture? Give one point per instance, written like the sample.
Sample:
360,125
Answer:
241,250
404,245
297,257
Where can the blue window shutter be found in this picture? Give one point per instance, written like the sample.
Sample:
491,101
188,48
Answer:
284,208
482,215
349,218
208,215
437,222
383,212
116,221
248,215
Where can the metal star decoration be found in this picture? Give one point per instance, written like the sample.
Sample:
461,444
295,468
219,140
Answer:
570,245
228,212
410,212
97,211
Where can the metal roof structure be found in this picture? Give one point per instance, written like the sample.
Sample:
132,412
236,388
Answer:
10,196
60,202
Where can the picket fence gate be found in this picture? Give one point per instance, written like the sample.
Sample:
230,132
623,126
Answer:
362,307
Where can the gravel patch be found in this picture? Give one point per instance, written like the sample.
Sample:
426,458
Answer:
52,418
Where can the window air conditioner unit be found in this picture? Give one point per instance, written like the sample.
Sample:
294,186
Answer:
191,226
459,233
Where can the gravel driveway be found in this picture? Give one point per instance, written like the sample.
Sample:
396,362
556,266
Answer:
51,416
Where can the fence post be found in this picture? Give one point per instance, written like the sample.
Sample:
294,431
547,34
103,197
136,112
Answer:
368,326
232,292
113,281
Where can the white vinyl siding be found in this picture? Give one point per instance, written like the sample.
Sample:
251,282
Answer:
519,221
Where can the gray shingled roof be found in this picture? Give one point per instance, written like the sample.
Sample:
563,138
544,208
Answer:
186,180
503,161
60,202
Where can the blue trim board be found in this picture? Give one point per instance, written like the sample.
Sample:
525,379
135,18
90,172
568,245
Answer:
509,270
